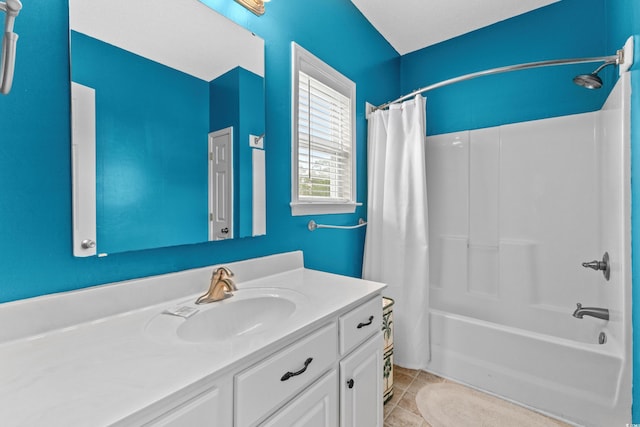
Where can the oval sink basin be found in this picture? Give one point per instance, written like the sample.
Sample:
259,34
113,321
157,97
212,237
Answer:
236,317
248,312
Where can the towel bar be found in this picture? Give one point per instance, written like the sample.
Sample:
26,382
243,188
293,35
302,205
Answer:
312,225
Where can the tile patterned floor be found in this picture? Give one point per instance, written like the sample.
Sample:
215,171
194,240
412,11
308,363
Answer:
401,410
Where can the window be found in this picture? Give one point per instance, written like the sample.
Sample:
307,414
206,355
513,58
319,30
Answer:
323,133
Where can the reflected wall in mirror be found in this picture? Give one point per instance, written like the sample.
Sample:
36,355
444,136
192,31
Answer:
169,78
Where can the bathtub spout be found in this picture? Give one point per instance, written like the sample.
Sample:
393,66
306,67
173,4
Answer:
600,313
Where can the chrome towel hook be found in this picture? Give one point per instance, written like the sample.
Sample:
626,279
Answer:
9,40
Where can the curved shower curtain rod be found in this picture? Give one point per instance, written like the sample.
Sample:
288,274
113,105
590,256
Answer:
9,40
612,59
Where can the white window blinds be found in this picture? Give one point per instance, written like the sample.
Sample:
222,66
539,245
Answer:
324,142
323,151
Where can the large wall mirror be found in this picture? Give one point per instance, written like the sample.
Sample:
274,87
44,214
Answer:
173,95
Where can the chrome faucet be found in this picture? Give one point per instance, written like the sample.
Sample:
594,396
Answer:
600,313
220,288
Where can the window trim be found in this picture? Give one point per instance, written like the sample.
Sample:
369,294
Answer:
303,60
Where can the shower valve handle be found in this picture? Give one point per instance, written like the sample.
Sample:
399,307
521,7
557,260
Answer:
596,265
603,265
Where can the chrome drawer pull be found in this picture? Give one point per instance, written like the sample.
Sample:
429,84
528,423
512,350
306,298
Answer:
293,374
361,325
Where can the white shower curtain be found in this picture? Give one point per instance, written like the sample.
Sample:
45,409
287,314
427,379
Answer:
397,241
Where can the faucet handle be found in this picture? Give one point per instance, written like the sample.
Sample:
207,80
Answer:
596,265
223,271
223,274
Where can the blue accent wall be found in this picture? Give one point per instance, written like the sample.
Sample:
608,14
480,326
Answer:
567,29
151,148
237,100
35,156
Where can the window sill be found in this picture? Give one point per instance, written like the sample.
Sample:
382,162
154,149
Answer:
317,208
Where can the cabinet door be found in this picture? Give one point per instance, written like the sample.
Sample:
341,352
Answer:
361,385
316,407
269,384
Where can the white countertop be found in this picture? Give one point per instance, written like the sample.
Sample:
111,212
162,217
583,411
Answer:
79,359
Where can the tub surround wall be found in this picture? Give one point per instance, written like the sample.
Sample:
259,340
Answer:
560,188
570,28
523,196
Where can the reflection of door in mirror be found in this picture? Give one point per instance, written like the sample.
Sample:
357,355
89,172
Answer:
159,93
221,184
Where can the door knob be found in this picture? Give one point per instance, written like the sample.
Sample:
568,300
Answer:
350,383
88,244
225,230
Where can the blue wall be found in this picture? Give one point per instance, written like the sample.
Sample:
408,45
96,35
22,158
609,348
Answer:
151,146
35,175
567,29
237,100
327,30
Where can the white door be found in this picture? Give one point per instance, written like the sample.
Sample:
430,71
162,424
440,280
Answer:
221,184
361,386
316,407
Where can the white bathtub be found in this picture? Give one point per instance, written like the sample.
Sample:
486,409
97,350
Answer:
577,382
513,212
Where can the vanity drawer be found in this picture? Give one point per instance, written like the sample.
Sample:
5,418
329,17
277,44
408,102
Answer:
359,324
264,387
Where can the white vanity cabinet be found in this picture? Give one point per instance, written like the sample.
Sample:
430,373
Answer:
316,407
361,365
349,395
132,364
207,405
361,385
330,377
268,384
204,410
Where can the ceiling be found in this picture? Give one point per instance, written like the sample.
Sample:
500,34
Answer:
182,34
409,25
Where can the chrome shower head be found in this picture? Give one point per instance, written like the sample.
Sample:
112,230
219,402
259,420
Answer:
589,81
593,80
